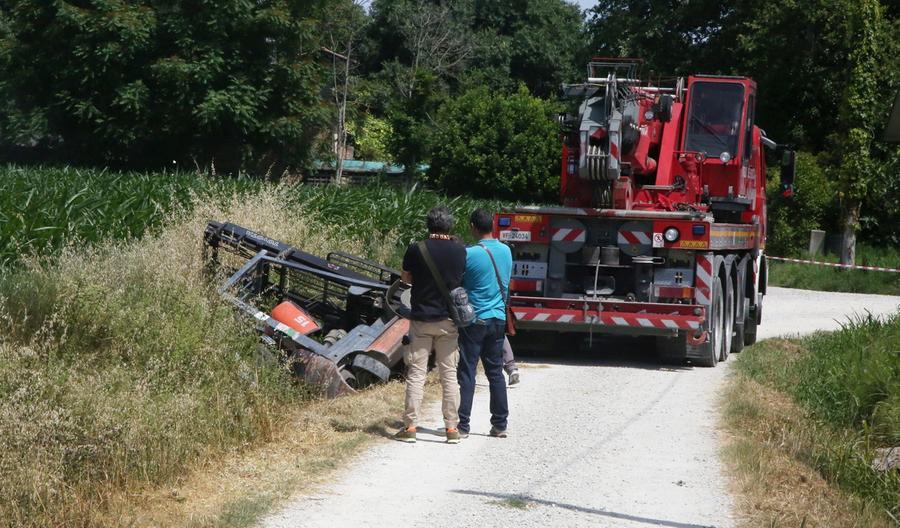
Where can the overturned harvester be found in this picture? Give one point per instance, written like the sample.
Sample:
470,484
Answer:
336,321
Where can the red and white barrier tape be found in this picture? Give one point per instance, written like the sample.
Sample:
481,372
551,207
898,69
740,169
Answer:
832,265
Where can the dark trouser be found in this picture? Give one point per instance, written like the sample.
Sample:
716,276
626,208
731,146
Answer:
485,342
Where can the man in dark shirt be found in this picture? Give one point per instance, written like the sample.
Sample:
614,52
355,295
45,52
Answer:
431,327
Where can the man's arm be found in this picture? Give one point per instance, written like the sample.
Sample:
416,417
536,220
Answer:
408,258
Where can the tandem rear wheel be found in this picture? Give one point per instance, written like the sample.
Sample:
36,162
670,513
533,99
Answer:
719,328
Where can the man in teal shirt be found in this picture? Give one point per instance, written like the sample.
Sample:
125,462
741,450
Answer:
486,279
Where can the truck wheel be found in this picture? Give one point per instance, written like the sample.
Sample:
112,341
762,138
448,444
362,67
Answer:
728,328
710,351
752,321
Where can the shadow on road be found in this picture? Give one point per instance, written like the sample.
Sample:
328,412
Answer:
607,351
604,513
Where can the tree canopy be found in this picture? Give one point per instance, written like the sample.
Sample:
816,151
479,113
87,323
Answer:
147,82
251,84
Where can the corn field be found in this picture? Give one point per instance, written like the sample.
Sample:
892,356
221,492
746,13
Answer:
45,208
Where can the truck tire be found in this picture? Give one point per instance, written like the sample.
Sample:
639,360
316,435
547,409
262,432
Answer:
707,354
728,323
740,334
752,322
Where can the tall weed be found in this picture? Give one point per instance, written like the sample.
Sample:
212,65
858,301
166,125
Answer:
119,366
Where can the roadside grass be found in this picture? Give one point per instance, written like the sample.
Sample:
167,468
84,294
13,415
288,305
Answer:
813,277
806,417
770,445
120,369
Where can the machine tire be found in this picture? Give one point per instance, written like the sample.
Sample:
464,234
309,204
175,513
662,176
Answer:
712,349
368,371
348,377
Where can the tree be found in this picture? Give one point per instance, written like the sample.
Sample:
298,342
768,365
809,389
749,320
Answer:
430,47
864,111
344,26
502,145
542,40
796,51
146,82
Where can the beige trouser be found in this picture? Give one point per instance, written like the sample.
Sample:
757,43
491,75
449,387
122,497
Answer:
441,337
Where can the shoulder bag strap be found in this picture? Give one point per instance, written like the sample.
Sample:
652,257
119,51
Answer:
505,296
438,279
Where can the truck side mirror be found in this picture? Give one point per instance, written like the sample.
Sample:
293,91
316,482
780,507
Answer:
567,122
788,170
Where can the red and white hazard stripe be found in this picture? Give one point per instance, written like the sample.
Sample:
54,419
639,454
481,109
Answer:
638,320
833,265
565,234
703,281
634,237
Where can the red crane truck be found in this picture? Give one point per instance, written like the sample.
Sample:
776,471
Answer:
662,227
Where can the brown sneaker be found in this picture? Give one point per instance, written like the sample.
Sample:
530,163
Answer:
407,434
452,436
498,433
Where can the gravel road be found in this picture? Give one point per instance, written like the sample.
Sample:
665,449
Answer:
613,441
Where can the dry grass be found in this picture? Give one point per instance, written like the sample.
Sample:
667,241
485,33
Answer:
121,372
237,489
770,436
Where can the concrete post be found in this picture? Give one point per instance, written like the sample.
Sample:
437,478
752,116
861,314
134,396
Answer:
816,242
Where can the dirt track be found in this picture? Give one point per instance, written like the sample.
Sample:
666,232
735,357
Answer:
616,441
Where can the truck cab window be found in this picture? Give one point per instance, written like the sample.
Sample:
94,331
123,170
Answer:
748,137
714,125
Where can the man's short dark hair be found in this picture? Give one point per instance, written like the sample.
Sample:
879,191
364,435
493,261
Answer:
439,220
482,220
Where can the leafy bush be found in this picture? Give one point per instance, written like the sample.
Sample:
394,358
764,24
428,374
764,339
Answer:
813,206
370,137
500,145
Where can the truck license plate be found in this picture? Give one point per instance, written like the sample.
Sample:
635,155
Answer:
529,270
515,236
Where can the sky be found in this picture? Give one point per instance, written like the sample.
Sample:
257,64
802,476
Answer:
586,4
